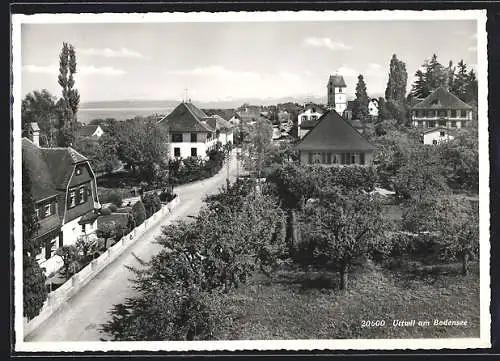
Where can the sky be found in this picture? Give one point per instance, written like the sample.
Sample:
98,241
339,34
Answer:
236,60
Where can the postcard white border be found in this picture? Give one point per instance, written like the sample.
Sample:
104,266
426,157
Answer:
280,16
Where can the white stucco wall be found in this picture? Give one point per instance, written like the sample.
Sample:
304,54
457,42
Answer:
185,146
430,137
340,100
373,108
98,132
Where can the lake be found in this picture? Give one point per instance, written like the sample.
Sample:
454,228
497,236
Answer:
85,115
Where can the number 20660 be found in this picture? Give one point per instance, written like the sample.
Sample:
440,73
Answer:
370,323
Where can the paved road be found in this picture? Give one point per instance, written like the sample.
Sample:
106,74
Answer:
81,317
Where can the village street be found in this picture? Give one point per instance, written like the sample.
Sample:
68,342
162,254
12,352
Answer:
80,318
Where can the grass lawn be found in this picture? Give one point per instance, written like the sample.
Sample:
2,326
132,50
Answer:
302,305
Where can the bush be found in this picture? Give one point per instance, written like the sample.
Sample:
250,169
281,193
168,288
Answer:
106,211
167,197
116,199
152,203
139,212
34,290
112,207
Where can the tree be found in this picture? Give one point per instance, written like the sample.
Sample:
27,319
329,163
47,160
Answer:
342,228
451,221
421,175
40,107
420,88
142,144
102,152
34,289
260,145
431,76
139,212
71,259
152,203
396,85
471,88
362,100
70,97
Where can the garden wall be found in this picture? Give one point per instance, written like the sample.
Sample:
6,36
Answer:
58,298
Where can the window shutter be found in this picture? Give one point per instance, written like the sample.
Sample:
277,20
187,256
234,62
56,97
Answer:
53,207
362,158
310,157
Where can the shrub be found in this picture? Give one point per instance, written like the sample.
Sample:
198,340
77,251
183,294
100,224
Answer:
151,202
167,197
34,290
106,211
112,207
139,212
115,198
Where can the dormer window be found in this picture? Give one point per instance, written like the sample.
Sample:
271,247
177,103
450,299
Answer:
78,171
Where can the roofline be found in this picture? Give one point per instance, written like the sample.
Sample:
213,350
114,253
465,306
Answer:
435,129
44,199
325,114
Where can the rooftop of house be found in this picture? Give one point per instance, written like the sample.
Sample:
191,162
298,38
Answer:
50,168
438,129
442,99
226,114
337,81
332,132
87,130
218,123
186,117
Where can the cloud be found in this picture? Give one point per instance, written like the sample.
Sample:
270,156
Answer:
375,69
290,76
49,69
472,48
346,71
213,71
110,53
80,70
326,43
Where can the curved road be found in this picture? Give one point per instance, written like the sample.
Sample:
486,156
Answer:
80,318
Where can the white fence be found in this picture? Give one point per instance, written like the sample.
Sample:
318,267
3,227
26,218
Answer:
59,298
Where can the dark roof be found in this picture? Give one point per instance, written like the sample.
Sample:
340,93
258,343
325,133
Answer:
442,99
223,113
337,81
114,218
218,123
334,133
87,130
42,185
50,168
186,118
89,217
308,124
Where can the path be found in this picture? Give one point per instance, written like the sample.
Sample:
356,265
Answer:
81,317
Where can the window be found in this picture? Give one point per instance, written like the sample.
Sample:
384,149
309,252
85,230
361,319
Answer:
49,247
209,135
441,113
71,199
442,123
83,228
328,158
314,117
78,171
353,158
37,211
441,134
82,195
323,158
431,124
193,138
463,114
420,123
331,90
304,118
453,124
47,210
434,141
310,158
177,152
194,152
431,113
340,90
176,137
362,158
453,113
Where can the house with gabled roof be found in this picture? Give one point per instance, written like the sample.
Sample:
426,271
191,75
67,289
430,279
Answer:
441,109
333,141
64,190
190,133
90,131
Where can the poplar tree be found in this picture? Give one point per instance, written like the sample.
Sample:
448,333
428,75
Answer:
398,78
68,104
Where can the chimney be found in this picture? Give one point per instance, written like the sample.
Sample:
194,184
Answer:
35,133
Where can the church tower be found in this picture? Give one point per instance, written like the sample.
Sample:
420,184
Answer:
337,98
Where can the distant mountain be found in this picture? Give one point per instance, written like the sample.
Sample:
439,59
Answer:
217,104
